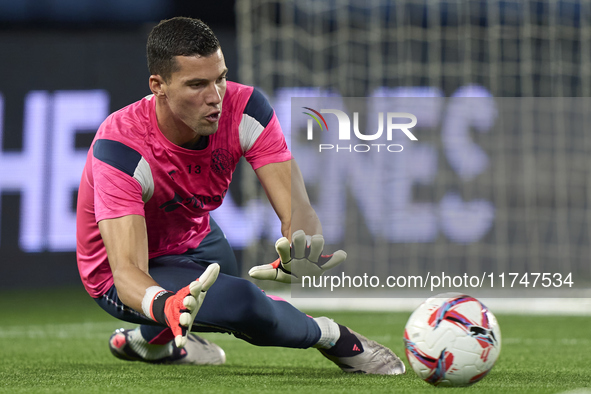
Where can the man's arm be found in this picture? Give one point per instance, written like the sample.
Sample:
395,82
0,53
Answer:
300,249
284,186
126,241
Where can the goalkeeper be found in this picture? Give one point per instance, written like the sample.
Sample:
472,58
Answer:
147,250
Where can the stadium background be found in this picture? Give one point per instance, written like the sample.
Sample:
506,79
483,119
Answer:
67,64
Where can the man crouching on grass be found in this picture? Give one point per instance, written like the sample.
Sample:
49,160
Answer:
148,252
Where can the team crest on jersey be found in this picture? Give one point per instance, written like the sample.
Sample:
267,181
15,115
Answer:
222,161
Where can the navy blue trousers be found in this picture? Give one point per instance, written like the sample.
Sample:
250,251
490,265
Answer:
232,305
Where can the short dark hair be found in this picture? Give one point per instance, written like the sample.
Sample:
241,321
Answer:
178,36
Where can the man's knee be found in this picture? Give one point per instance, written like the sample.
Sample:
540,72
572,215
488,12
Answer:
255,306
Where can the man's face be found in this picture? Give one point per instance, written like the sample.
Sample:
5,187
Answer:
195,92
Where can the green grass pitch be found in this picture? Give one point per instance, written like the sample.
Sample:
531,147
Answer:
56,341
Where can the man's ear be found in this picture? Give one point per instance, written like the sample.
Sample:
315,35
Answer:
157,85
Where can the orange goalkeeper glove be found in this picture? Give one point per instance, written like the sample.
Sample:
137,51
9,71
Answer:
178,310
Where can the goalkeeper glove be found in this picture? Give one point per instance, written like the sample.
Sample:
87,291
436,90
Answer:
178,310
302,258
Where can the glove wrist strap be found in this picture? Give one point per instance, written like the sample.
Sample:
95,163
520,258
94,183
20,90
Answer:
153,303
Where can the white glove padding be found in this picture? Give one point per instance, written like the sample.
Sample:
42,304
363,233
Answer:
191,298
301,258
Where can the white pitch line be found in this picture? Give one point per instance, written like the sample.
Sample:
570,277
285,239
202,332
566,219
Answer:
86,330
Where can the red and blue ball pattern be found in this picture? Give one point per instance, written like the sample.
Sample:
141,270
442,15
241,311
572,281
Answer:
452,340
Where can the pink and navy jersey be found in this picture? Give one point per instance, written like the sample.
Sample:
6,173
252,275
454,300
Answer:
132,169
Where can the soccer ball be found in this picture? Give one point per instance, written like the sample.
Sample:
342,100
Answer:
452,340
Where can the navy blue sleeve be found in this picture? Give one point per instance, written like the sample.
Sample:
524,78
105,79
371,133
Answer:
117,154
259,108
